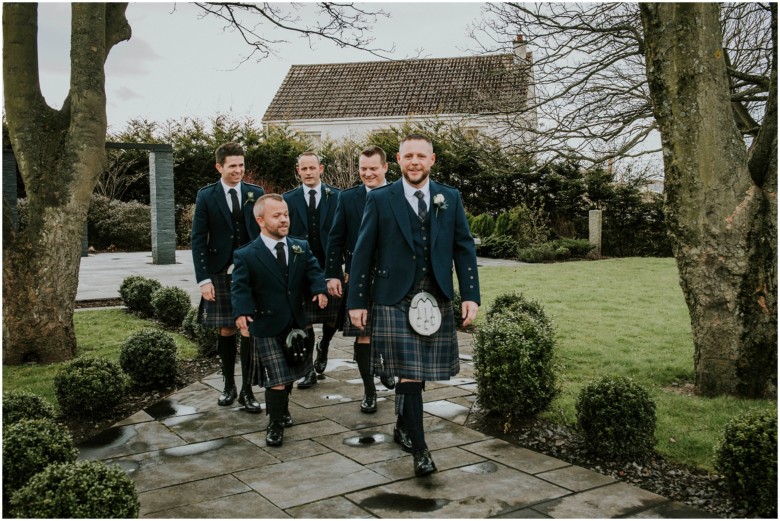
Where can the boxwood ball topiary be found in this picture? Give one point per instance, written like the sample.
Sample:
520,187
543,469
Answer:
617,417
23,405
137,294
517,303
149,357
87,489
514,365
746,455
171,305
204,337
29,446
89,387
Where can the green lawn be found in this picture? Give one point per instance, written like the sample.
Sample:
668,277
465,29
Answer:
624,317
99,334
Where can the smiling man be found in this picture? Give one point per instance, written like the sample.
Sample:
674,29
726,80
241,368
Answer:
411,234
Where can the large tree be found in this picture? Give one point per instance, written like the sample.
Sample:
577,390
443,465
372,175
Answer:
609,77
61,152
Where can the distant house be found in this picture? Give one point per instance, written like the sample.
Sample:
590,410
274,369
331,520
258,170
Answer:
336,100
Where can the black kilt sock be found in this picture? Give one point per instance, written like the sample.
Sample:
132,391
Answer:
327,336
411,406
362,355
276,403
310,343
226,347
248,375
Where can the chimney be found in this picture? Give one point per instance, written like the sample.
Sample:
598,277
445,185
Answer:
519,50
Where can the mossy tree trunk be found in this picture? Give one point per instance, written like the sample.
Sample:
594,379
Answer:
60,154
721,198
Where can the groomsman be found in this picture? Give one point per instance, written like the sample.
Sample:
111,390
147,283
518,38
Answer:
312,207
223,221
372,167
271,276
412,232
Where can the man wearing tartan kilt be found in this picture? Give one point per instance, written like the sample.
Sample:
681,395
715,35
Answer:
411,234
372,167
312,207
223,221
272,276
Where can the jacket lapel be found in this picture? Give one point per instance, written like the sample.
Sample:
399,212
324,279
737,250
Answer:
299,200
398,204
219,195
247,208
295,262
327,202
268,258
435,218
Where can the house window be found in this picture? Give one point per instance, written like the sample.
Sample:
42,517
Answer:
314,137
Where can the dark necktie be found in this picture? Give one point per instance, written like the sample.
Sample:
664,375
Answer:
281,258
236,205
312,200
422,208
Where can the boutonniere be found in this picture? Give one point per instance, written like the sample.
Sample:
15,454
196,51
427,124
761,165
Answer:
328,192
250,198
296,250
440,203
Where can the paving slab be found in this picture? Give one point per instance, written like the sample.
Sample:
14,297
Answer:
212,425
400,468
187,493
615,500
331,508
249,505
517,457
129,439
575,478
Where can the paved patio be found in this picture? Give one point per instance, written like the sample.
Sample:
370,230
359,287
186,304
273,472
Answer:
190,458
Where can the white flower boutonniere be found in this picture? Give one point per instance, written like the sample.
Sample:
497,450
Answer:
296,250
328,192
250,198
440,203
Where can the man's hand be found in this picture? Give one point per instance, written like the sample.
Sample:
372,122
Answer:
321,299
358,318
207,291
334,287
242,323
468,311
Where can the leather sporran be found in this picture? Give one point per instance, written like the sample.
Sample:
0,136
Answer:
294,347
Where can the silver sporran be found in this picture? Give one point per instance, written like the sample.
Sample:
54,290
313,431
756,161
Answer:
424,314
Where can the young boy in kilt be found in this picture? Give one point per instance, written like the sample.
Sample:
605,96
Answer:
372,168
411,234
312,207
223,221
272,275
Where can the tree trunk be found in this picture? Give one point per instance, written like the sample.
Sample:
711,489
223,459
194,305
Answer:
60,155
721,200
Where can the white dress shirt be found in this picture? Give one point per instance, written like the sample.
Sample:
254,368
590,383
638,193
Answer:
271,245
317,196
227,188
409,191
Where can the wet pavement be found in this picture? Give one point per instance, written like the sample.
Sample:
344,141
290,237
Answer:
190,458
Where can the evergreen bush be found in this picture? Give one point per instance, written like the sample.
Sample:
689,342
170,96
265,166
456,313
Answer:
746,455
136,292
81,490
204,337
89,387
23,405
29,446
514,366
498,246
149,357
538,253
510,303
617,418
483,226
577,247
170,305
126,226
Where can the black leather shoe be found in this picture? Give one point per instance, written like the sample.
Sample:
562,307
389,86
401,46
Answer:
308,380
228,396
248,400
321,362
287,420
423,463
388,382
274,436
401,437
368,405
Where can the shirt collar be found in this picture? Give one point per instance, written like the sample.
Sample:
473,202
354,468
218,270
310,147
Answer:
271,243
226,188
380,186
317,188
409,190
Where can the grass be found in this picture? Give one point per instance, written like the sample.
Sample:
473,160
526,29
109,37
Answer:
99,334
624,317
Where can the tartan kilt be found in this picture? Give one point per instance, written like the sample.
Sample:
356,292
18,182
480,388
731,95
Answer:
396,350
219,312
349,329
328,315
270,365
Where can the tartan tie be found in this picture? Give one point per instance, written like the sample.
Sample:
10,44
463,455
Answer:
422,208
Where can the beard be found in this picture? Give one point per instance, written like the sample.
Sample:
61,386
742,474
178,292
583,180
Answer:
424,175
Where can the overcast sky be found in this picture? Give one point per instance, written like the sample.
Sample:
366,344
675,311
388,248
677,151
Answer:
179,64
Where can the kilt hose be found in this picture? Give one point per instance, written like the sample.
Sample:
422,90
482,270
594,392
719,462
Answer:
396,350
270,365
219,312
349,329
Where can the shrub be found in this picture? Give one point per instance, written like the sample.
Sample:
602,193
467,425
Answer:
149,357
124,225
89,387
512,303
498,246
539,253
483,226
171,305
86,489
204,337
577,247
617,417
22,405
184,216
136,292
513,361
457,301
29,446
746,455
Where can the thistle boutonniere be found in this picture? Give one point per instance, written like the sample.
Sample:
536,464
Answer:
328,192
250,198
440,203
296,250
